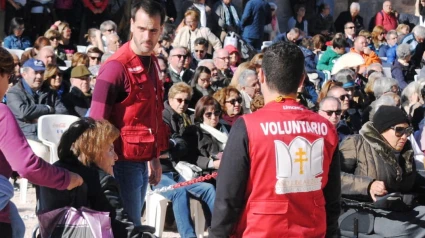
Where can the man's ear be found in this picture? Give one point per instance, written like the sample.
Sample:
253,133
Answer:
261,76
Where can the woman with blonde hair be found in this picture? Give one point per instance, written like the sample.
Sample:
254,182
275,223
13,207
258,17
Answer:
65,42
402,31
189,31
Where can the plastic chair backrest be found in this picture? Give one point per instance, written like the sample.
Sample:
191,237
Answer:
50,130
81,48
387,71
16,52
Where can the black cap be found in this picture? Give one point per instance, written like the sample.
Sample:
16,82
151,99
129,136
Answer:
388,116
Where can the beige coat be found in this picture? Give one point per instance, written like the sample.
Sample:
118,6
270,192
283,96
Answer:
186,38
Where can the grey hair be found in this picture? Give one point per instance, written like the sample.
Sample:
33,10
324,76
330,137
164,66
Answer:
355,5
244,76
403,51
372,66
383,85
329,98
205,61
25,69
409,90
375,75
385,100
110,36
419,31
390,33
345,75
108,23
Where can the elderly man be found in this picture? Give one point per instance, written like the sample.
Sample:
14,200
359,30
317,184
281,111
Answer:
112,44
389,50
107,28
175,68
249,88
387,17
290,36
200,52
322,23
370,57
350,16
416,41
222,62
216,82
28,100
330,108
78,100
47,55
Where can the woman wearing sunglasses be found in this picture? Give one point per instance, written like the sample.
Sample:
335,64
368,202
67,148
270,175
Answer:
208,134
201,85
230,100
380,161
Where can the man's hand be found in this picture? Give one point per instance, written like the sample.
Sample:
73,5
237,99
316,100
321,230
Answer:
75,180
367,50
377,188
155,171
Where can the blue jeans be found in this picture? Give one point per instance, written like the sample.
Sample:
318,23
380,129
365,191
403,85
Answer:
204,192
133,180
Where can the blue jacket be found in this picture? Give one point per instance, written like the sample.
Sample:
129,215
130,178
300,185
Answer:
13,42
309,60
256,15
391,54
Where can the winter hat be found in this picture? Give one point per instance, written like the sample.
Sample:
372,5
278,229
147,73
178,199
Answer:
388,116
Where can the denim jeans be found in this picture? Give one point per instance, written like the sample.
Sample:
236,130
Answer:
133,180
204,192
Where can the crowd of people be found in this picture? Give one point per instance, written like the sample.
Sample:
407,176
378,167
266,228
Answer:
159,83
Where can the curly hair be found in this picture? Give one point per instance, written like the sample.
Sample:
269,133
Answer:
222,95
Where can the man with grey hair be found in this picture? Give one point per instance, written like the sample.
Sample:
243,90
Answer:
389,50
107,28
415,39
221,59
330,109
384,85
48,56
112,44
401,70
350,16
249,87
176,68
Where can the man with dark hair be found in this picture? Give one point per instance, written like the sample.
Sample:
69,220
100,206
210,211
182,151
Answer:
129,94
280,162
199,52
350,33
331,54
322,23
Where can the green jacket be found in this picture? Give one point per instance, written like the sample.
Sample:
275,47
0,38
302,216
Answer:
328,59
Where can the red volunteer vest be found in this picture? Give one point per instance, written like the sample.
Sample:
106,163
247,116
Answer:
290,151
139,116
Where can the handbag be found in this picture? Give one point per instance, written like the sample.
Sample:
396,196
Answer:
75,223
187,170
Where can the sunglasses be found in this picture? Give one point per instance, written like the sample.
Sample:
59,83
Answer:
180,100
342,97
200,51
209,114
94,58
110,30
330,112
400,131
233,101
180,56
53,38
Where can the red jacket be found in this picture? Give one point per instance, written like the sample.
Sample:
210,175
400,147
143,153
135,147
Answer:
96,4
290,152
388,21
139,116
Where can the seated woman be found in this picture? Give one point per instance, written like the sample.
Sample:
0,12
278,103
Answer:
54,37
53,80
201,84
230,100
87,149
380,161
16,40
208,135
174,115
402,70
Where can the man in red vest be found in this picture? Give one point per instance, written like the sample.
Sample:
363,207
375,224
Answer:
128,93
280,171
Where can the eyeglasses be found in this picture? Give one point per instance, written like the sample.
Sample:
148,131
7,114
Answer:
94,58
20,28
53,38
350,27
330,112
234,100
180,56
209,114
180,100
342,97
200,51
400,131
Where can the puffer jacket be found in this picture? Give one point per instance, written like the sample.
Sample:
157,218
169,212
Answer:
367,157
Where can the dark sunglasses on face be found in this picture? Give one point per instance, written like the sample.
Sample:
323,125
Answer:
209,114
53,38
330,112
180,56
94,58
200,51
400,131
342,97
233,101
180,100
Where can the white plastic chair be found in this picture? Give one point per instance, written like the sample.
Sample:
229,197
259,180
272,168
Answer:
50,129
29,48
81,48
16,52
156,207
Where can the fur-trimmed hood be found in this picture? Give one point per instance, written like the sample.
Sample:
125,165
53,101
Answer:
386,152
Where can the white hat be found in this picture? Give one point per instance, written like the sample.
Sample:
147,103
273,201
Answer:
347,60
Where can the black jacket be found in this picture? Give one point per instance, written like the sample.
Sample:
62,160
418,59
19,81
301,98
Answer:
186,77
345,17
76,102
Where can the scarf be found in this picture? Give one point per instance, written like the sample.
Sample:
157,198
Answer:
228,15
220,136
230,120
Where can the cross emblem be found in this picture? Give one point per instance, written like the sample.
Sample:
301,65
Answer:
300,159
